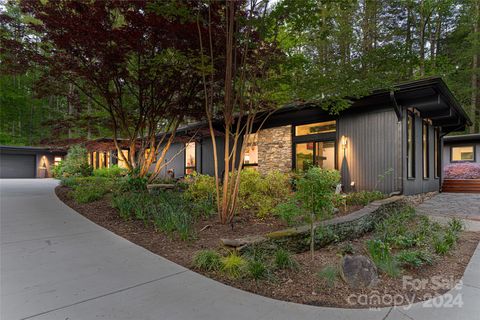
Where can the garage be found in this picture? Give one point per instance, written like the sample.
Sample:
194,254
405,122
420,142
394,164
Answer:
17,165
28,162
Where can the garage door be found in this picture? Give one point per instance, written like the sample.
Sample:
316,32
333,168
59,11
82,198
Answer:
17,166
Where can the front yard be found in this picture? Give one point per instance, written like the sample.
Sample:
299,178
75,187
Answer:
181,225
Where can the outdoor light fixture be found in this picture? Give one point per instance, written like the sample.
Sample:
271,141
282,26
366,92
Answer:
344,142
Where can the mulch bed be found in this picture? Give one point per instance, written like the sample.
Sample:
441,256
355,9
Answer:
301,285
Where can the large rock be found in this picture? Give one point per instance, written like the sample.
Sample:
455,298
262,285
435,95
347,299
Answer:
358,271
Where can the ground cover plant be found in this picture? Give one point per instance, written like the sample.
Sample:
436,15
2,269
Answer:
462,171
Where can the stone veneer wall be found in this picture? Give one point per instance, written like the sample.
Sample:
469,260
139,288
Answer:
275,149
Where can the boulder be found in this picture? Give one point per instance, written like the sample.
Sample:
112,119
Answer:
358,271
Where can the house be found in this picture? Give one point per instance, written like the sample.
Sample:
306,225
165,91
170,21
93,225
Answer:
28,162
390,140
461,148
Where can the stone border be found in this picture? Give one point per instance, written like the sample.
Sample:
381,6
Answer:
341,228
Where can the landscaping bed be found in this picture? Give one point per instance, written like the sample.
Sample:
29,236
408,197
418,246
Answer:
299,282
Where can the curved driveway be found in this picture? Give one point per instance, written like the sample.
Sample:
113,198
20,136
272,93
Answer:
56,264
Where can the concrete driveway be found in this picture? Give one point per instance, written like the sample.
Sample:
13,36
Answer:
56,264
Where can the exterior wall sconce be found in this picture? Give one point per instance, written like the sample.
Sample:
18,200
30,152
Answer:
344,142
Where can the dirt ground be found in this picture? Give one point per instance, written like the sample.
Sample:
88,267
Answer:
301,285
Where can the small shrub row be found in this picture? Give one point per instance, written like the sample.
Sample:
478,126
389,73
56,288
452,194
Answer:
257,266
363,197
110,172
89,189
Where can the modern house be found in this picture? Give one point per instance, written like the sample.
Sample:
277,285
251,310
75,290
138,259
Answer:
390,140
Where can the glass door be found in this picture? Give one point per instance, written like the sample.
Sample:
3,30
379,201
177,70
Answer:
317,153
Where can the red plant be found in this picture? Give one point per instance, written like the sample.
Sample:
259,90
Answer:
462,171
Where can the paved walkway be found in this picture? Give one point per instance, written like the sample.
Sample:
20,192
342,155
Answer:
460,205
56,264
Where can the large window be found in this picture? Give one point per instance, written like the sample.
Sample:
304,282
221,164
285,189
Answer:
190,158
436,147
121,162
410,145
463,153
250,159
425,150
320,153
316,128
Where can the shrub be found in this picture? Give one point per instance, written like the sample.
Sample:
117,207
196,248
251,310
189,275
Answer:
201,191
288,211
133,183
414,258
381,255
233,265
284,260
363,197
316,195
462,171
262,193
90,189
346,249
329,275
455,225
57,170
111,172
76,163
257,270
207,260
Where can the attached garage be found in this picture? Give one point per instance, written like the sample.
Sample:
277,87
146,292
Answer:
27,162
17,166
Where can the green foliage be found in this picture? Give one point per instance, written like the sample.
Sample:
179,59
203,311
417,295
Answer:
133,183
57,170
207,260
284,260
89,189
233,265
257,270
111,172
288,211
363,197
381,255
76,163
316,191
455,225
414,258
346,249
200,189
262,193
329,275
167,211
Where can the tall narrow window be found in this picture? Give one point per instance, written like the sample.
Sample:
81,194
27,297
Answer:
250,159
410,145
425,151
190,158
436,147
121,162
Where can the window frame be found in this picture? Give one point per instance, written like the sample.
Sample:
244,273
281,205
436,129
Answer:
436,153
194,167
243,160
411,175
463,146
314,153
315,133
425,150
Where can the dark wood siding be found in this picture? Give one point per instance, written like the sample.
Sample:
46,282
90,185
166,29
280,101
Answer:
373,147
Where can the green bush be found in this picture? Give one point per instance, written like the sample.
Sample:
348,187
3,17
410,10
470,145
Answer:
262,193
201,191
167,211
57,170
233,265
207,260
288,211
76,163
111,172
284,260
381,255
89,189
133,183
257,270
455,225
329,275
363,197
414,258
